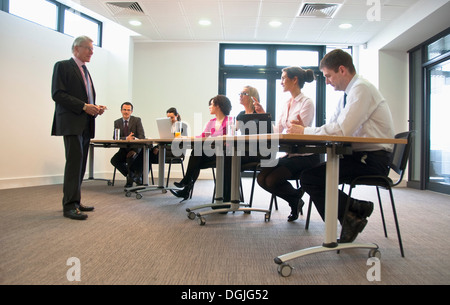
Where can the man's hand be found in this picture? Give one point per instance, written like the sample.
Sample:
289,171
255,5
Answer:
94,110
296,127
131,136
102,109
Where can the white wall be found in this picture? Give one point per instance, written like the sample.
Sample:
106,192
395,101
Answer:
174,74
29,154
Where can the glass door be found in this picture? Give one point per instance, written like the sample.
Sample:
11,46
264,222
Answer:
439,149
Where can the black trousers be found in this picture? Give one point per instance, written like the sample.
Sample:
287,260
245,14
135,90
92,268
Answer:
77,148
197,163
128,165
275,179
350,167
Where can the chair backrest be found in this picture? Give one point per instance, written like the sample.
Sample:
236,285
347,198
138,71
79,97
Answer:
400,154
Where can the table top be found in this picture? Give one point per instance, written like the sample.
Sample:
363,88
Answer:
283,138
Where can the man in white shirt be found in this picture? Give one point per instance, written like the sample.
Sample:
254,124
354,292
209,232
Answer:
362,112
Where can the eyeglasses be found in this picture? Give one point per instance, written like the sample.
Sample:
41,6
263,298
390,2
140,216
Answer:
89,48
243,93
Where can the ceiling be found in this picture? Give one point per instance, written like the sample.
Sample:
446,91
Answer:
248,20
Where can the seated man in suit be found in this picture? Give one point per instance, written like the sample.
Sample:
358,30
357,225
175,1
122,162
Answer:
129,161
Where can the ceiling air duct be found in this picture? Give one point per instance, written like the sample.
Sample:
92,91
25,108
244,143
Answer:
125,8
319,10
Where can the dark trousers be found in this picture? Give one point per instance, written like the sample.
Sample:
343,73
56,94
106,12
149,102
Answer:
197,163
275,180
128,165
77,148
350,167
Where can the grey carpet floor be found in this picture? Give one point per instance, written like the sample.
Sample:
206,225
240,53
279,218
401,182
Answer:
151,240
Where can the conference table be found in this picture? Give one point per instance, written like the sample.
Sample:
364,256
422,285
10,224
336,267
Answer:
145,144
236,146
333,147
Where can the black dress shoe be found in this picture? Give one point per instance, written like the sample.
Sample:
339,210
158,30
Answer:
84,208
75,214
184,193
362,209
179,184
353,225
295,209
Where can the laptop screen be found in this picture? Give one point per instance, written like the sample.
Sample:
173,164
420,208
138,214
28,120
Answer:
255,123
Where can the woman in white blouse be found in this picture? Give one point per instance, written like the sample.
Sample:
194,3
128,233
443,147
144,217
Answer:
299,108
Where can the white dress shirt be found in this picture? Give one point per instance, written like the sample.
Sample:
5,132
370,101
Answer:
366,114
301,107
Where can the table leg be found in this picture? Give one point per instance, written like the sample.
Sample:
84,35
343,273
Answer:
235,204
331,211
146,152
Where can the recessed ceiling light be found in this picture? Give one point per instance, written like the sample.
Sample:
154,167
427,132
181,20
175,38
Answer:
135,22
204,22
345,26
275,24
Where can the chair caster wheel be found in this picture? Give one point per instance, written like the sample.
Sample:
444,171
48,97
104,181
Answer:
191,215
138,196
375,253
285,270
201,221
128,194
266,217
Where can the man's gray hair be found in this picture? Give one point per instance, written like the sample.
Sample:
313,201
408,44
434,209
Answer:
79,40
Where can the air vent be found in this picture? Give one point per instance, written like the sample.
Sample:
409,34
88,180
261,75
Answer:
320,10
125,8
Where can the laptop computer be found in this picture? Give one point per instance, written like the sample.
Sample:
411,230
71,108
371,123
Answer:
165,128
256,123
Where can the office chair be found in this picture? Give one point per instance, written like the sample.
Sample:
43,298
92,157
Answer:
398,165
170,159
253,167
250,166
207,165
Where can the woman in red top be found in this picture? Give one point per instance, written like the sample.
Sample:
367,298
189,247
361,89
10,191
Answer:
220,107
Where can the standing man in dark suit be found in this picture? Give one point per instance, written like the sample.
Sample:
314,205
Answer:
129,161
74,119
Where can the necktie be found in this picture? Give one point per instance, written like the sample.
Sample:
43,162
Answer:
89,86
345,99
125,128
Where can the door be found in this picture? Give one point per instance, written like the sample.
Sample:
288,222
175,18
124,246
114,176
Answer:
439,110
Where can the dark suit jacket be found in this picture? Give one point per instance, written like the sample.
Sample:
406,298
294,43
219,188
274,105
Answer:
69,94
134,126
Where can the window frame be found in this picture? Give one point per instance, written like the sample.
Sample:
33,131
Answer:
61,10
272,72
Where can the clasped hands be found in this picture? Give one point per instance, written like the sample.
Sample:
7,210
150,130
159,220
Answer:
296,127
95,110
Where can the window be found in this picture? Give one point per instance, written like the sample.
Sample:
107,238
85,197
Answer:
260,66
429,164
77,24
56,16
38,11
245,57
299,58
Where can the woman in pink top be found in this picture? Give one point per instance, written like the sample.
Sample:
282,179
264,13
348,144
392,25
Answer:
220,107
299,108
